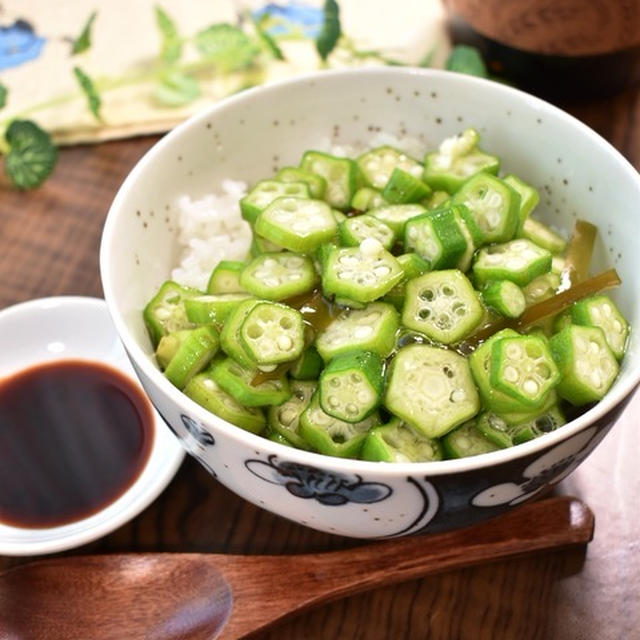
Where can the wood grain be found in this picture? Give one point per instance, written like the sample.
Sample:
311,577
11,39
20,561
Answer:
190,595
555,27
48,245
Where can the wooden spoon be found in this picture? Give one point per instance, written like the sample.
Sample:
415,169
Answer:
191,596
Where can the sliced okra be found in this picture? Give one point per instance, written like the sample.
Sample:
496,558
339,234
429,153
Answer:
213,308
367,198
529,198
225,277
298,224
495,429
506,297
230,340
412,265
265,192
493,205
193,355
333,437
431,389
456,160
396,216
317,184
377,165
237,381
272,333
353,231
370,329
466,441
399,442
442,305
165,312
350,386
405,188
480,365
518,260
437,200
362,274
168,346
537,426
436,236
601,311
285,418
277,276
341,175
523,368
541,288
260,245
308,366
543,236
203,390
587,365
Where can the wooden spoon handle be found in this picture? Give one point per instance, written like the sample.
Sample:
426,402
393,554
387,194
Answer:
267,589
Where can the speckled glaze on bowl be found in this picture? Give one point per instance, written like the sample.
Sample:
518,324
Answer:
251,135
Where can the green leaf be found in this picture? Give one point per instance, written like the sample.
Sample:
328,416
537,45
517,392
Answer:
83,41
171,42
465,59
226,46
269,43
176,89
3,95
31,156
90,91
331,30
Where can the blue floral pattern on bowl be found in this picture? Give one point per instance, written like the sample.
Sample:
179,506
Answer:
19,43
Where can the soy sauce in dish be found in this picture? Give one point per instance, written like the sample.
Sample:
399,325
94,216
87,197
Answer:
74,436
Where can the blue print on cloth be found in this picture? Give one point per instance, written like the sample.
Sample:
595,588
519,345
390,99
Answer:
331,489
291,19
18,44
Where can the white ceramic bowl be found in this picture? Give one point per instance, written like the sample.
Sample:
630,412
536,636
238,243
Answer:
247,137
77,328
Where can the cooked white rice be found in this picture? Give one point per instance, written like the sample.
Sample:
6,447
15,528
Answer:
211,228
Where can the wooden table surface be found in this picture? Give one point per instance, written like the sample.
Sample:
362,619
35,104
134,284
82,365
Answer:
49,243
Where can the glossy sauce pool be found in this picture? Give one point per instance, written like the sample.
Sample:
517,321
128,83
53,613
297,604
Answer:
74,436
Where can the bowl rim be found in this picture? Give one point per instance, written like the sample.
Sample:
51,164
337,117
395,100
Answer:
164,455
348,465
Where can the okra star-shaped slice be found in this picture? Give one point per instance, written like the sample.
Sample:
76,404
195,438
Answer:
520,261
298,224
362,274
523,368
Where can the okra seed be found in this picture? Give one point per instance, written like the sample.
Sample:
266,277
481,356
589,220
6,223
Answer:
334,382
531,386
163,313
581,344
594,347
285,343
352,409
448,372
447,291
254,331
355,378
511,374
427,294
363,396
493,219
382,271
458,395
334,402
607,310
287,415
424,313
596,380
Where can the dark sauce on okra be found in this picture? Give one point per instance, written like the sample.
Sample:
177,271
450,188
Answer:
74,436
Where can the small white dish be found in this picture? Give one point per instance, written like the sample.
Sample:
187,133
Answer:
79,328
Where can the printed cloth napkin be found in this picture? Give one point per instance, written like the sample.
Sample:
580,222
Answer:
124,63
